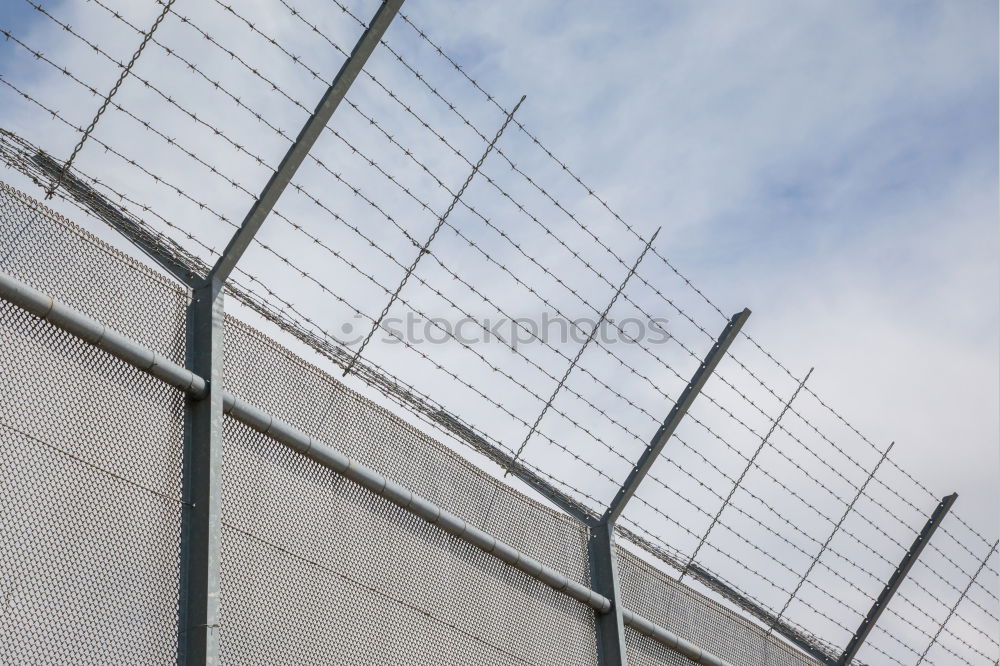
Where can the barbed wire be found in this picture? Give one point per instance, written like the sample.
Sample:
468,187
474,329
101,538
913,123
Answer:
313,27
590,191
739,481
451,106
659,540
434,232
191,154
107,99
423,204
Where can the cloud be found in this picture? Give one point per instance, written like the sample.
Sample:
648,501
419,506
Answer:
832,166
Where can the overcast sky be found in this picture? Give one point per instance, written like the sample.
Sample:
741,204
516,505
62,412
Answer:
831,166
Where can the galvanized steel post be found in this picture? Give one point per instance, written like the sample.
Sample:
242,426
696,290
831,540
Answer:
202,527
680,408
604,579
202,521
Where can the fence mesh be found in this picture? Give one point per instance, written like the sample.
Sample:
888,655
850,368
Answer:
677,608
314,568
90,504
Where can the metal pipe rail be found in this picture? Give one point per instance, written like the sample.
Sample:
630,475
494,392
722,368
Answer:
93,332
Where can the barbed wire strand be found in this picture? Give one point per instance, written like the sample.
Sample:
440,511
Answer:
107,99
565,168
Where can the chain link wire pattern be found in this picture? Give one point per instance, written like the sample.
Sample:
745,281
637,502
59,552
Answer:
314,569
90,504
290,317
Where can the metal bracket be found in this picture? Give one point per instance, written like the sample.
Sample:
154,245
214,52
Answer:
896,580
691,391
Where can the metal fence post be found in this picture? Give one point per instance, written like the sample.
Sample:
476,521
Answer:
202,528
601,543
604,579
202,522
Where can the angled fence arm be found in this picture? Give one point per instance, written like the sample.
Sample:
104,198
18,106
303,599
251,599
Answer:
896,580
307,137
691,391
601,548
197,388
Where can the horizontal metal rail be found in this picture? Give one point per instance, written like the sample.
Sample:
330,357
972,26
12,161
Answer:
95,333
91,331
671,640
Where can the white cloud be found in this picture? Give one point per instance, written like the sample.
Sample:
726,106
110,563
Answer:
833,166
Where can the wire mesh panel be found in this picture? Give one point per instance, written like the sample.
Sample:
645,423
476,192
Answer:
318,570
90,503
274,379
650,593
56,256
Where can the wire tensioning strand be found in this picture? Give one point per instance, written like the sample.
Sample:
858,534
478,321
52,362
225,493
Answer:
586,343
739,481
107,99
441,220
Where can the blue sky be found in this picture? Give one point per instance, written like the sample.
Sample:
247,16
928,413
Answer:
833,166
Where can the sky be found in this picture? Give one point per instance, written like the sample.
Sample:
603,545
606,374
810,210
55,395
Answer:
831,166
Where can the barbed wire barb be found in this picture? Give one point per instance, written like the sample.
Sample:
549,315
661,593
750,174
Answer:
422,250
107,98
